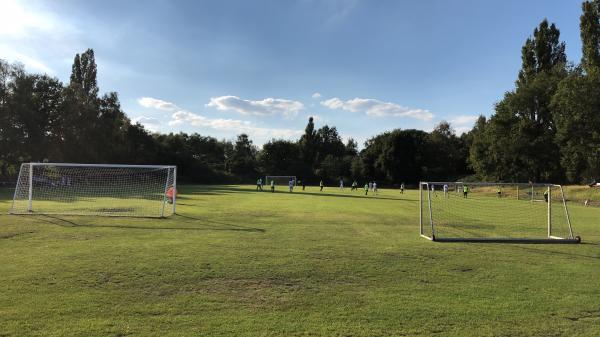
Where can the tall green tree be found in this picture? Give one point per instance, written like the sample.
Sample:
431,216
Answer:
577,116
308,149
590,35
521,133
280,157
243,159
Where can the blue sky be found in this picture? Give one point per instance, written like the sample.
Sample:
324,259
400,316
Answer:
220,68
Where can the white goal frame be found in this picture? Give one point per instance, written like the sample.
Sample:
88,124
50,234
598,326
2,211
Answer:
287,177
25,183
426,217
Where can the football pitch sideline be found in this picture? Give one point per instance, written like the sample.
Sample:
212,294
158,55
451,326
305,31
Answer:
238,262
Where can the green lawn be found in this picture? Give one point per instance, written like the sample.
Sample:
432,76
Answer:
235,262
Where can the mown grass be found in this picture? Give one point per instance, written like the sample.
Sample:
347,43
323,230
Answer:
236,262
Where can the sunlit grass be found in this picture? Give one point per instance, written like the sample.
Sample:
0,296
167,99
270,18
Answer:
236,262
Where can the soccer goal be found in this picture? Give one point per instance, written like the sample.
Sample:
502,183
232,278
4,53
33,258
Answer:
96,189
280,180
494,212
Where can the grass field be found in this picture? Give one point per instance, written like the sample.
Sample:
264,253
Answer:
236,262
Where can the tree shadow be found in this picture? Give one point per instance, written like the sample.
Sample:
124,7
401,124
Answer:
364,197
225,189
199,225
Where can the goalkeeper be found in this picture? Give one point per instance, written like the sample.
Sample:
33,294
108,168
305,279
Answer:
171,193
259,184
272,186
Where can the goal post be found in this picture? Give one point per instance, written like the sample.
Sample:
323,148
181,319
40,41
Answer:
96,189
494,212
280,180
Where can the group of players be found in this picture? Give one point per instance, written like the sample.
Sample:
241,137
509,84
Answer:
369,186
445,189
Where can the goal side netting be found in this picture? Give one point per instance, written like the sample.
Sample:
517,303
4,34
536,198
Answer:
280,180
494,212
96,189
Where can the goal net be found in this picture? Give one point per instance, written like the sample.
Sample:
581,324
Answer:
95,189
280,180
494,212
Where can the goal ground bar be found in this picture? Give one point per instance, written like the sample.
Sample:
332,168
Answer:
555,240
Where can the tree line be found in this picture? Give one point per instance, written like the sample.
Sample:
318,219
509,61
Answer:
546,129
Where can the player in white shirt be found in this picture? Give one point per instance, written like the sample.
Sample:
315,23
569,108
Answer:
291,184
375,188
341,184
446,190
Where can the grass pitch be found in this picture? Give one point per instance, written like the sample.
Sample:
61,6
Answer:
236,262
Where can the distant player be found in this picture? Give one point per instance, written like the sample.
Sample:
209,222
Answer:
342,184
272,186
171,193
291,185
499,192
433,190
374,188
321,186
370,185
445,190
465,191
546,195
259,184
402,188
366,189
354,186
303,185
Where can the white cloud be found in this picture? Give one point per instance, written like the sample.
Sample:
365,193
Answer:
463,123
238,126
182,117
462,129
154,103
316,95
464,120
150,123
267,106
377,108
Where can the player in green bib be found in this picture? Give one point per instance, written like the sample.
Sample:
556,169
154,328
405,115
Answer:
366,188
465,191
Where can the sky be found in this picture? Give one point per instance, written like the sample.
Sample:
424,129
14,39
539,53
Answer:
221,68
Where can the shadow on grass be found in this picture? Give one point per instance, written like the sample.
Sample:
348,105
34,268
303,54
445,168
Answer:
554,252
203,225
219,190
360,196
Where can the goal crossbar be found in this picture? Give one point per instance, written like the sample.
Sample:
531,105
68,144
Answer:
428,219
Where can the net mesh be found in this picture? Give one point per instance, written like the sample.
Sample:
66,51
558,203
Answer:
457,210
119,190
